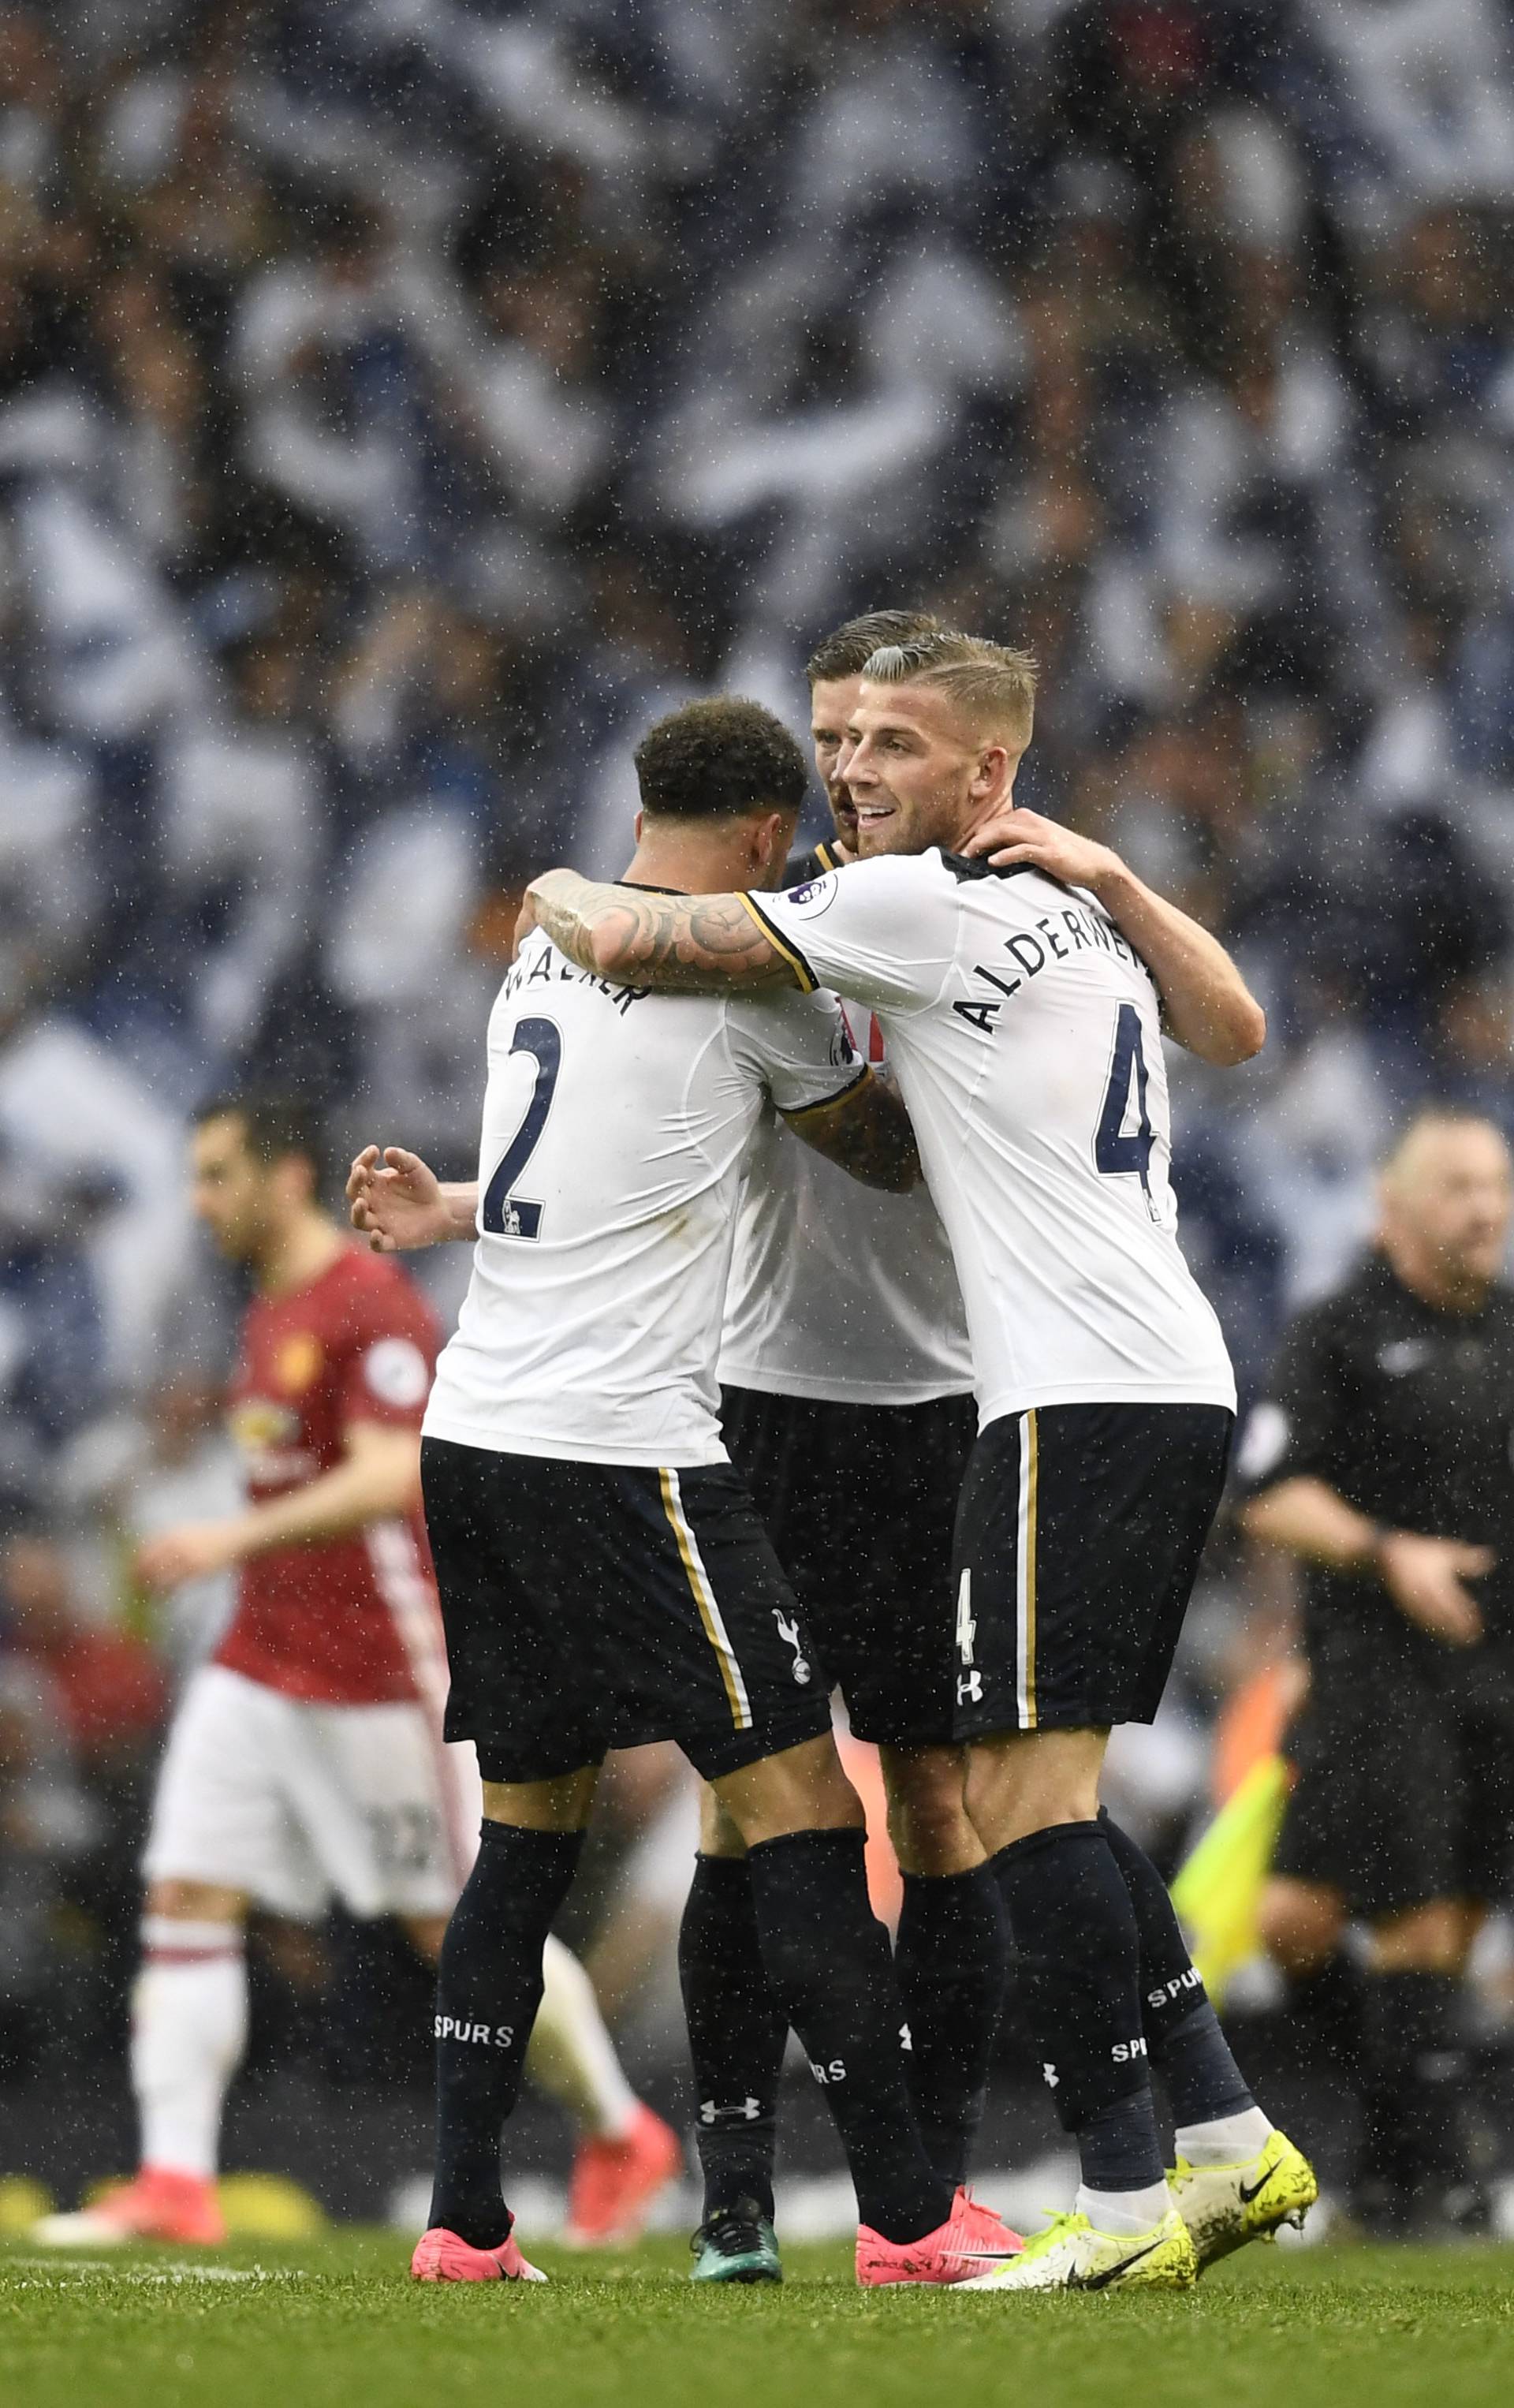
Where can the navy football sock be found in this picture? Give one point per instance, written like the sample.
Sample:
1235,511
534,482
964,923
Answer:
832,1971
1415,2074
1202,2080
1327,2003
950,1957
488,1990
1073,1930
737,2035
1182,2030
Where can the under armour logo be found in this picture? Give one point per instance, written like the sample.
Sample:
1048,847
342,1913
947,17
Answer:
1053,2076
741,2110
906,2036
788,1633
969,1688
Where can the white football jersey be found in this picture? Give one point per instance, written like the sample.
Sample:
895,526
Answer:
839,1291
1026,1035
615,1127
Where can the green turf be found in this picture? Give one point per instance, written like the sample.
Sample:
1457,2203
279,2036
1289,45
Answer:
336,2322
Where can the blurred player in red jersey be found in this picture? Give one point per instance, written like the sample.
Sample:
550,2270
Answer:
306,1759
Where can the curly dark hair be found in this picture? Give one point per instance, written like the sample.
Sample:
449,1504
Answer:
720,760
846,652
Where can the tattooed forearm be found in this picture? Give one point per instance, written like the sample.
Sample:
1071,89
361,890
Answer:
693,944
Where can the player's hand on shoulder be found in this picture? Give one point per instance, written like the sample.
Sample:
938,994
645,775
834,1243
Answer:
1424,1577
397,1200
1013,837
193,1551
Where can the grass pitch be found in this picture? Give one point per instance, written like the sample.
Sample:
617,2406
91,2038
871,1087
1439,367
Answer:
335,2324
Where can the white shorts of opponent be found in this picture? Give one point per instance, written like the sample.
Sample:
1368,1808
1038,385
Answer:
295,1803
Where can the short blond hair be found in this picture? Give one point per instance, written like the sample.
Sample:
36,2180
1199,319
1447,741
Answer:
992,684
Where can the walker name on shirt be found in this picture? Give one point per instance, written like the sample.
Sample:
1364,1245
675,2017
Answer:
549,968
1061,935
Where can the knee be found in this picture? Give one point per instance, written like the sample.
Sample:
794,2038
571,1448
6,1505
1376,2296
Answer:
562,1804
191,1901
803,1789
1300,1926
928,1820
1429,1939
1030,1781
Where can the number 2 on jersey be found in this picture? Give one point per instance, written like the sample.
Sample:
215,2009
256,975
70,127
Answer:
1113,1150
505,1215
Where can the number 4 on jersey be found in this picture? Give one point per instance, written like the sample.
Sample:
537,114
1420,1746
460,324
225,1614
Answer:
505,1215
1114,1150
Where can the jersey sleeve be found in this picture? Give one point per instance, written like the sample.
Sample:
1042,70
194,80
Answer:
883,931
800,1047
1301,1426
389,1359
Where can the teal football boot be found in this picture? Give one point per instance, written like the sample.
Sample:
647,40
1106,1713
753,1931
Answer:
736,2245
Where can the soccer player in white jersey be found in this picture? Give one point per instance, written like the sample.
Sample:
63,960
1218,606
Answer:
1022,1013
602,1574
847,1400
307,1760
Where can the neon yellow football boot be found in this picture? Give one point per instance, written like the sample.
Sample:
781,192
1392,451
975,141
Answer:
1225,2206
1072,2255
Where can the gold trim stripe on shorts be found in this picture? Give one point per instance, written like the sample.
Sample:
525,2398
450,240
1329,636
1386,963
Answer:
1025,1576
704,1597
790,951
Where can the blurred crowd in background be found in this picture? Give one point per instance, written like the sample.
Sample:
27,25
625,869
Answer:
402,402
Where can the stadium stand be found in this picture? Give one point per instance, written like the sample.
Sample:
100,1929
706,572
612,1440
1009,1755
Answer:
402,402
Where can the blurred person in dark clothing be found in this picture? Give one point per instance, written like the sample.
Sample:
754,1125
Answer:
1380,1458
92,1699
44,1824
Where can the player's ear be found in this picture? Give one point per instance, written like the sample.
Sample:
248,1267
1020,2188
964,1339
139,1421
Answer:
636,825
994,777
769,840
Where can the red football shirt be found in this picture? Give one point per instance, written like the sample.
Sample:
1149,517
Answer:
349,1621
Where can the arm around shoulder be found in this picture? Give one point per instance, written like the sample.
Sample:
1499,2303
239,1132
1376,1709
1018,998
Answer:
678,944
1206,1003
